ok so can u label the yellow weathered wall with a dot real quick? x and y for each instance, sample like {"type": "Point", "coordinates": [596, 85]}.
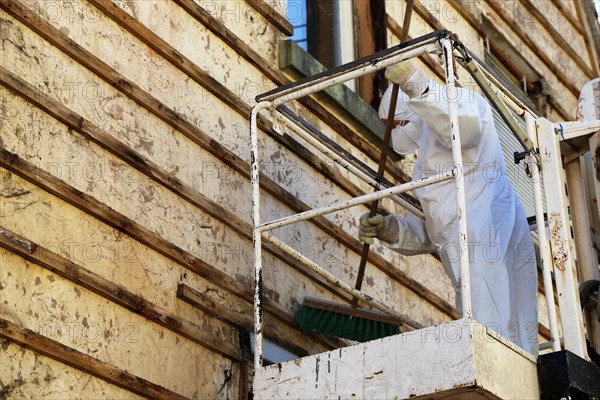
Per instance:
{"type": "Point", "coordinates": [33, 297]}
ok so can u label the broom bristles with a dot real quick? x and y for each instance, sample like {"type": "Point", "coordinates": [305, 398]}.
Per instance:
{"type": "Point", "coordinates": [343, 326]}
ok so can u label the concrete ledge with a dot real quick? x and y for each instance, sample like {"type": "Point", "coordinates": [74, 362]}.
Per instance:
{"type": "Point", "coordinates": [451, 360]}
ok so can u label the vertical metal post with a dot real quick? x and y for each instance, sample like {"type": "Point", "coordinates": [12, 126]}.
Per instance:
{"type": "Point", "coordinates": [256, 235]}
{"type": "Point", "coordinates": [542, 238]}
{"type": "Point", "coordinates": [563, 252]}
{"type": "Point", "coordinates": [465, 294]}
{"type": "Point", "coordinates": [587, 259]}
{"type": "Point", "coordinates": [593, 158]}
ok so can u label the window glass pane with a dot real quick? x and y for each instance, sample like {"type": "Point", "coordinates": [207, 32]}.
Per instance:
{"type": "Point", "coordinates": [297, 17]}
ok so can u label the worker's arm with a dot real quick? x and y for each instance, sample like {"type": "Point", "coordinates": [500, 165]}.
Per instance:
{"type": "Point", "coordinates": [432, 108]}
{"type": "Point", "coordinates": [429, 100]}
{"type": "Point", "coordinates": [412, 237]}
{"type": "Point", "coordinates": [404, 235]}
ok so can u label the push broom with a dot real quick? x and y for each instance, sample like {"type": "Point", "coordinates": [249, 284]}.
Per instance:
{"type": "Point", "coordinates": [349, 321]}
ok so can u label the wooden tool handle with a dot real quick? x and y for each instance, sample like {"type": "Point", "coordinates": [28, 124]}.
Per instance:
{"type": "Point", "coordinates": [384, 151]}
{"type": "Point", "coordinates": [380, 170]}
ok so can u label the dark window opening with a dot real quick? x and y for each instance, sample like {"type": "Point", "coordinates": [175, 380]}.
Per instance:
{"type": "Point", "coordinates": [335, 32]}
{"type": "Point", "coordinates": [272, 354]}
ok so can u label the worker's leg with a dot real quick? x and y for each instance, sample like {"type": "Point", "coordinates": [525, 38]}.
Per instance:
{"type": "Point", "coordinates": [490, 279]}
{"type": "Point", "coordinates": [524, 299]}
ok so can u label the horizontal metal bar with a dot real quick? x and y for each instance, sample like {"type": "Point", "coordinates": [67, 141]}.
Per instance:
{"type": "Point", "coordinates": [328, 276]}
{"type": "Point", "coordinates": [350, 71]}
{"type": "Point", "coordinates": [353, 74]}
{"type": "Point", "coordinates": [574, 129]}
{"type": "Point", "coordinates": [366, 198]}
{"type": "Point", "coordinates": [326, 141]}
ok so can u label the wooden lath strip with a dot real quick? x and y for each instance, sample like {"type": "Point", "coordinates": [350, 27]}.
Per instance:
{"type": "Point", "coordinates": [562, 43]}
{"type": "Point", "coordinates": [591, 36]}
{"type": "Point", "coordinates": [74, 358]}
{"type": "Point", "coordinates": [551, 64]}
{"type": "Point", "coordinates": [222, 32]}
{"type": "Point", "coordinates": [271, 15]}
{"type": "Point", "coordinates": [243, 322]}
{"type": "Point", "coordinates": [572, 20]}
{"type": "Point", "coordinates": [465, 9]}
{"type": "Point", "coordinates": [13, 163]}
{"type": "Point", "coordinates": [148, 102]}
{"type": "Point", "coordinates": [117, 294]}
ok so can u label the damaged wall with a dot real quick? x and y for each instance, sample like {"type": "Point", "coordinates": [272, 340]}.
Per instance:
{"type": "Point", "coordinates": [125, 220]}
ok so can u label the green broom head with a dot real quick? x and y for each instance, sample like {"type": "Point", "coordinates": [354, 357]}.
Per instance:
{"type": "Point", "coordinates": [343, 326]}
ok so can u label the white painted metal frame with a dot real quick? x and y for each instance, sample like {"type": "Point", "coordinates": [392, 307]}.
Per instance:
{"type": "Point", "coordinates": [344, 163]}
{"type": "Point", "coordinates": [443, 45]}
{"type": "Point", "coordinates": [544, 245]}
{"type": "Point", "coordinates": [552, 171]}
{"type": "Point", "coordinates": [549, 135]}
{"type": "Point", "coordinates": [465, 280]}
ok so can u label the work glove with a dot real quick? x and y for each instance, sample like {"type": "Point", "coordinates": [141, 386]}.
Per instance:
{"type": "Point", "coordinates": [409, 77]}
{"type": "Point", "coordinates": [380, 227]}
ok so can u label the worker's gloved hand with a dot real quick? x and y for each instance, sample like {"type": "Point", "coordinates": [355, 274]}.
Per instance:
{"type": "Point", "coordinates": [380, 227]}
{"type": "Point", "coordinates": [409, 77]}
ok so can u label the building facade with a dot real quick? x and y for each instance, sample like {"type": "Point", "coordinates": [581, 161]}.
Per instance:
{"type": "Point", "coordinates": [125, 199]}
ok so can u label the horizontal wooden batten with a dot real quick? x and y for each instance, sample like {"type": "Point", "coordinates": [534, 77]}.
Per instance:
{"type": "Point", "coordinates": [572, 20]}
{"type": "Point", "coordinates": [142, 98]}
{"type": "Point", "coordinates": [100, 211]}
{"type": "Point", "coordinates": [115, 293]}
{"type": "Point", "coordinates": [562, 43]}
{"type": "Point", "coordinates": [463, 10]}
{"type": "Point", "coordinates": [592, 31]}
{"type": "Point", "coordinates": [271, 15]}
{"type": "Point", "coordinates": [220, 30]}
{"type": "Point", "coordinates": [498, 7]}
{"type": "Point", "coordinates": [66, 355]}
{"type": "Point", "coordinates": [243, 322]}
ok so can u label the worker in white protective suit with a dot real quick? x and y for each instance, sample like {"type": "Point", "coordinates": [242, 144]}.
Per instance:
{"type": "Point", "coordinates": [501, 253]}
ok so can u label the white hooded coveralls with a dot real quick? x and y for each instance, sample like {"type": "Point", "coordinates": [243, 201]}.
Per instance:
{"type": "Point", "coordinates": [501, 253]}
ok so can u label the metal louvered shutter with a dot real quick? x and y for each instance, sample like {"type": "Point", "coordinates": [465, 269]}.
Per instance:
{"type": "Point", "coordinates": [516, 173]}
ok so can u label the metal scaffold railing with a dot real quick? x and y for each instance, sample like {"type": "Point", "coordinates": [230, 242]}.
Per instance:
{"type": "Point", "coordinates": [451, 50]}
